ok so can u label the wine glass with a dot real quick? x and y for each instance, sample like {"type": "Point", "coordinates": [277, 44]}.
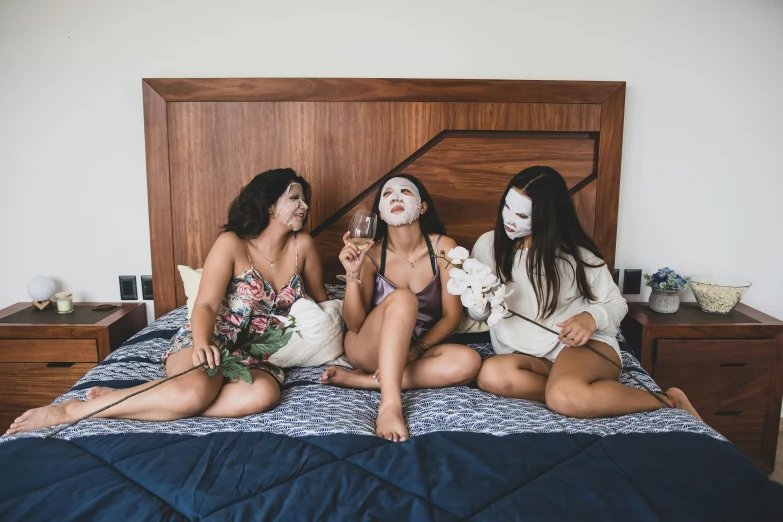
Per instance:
{"type": "Point", "coordinates": [361, 232]}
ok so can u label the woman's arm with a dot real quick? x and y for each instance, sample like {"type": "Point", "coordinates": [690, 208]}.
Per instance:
{"type": "Point", "coordinates": [452, 306]}
{"type": "Point", "coordinates": [356, 305]}
{"type": "Point", "coordinates": [312, 269]}
{"type": "Point", "coordinates": [218, 271]}
{"type": "Point", "coordinates": [609, 306]}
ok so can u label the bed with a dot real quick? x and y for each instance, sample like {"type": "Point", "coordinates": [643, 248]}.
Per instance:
{"type": "Point", "coordinates": [472, 455]}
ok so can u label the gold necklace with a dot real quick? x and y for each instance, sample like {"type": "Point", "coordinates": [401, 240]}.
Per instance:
{"type": "Point", "coordinates": [415, 257]}
{"type": "Point", "coordinates": [272, 263]}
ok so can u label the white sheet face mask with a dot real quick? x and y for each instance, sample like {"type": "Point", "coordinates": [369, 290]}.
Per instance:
{"type": "Point", "coordinates": [400, 202]}
{"type": "Point", "coordinates": [291, 208]}
{"type": "Point", "coordinates": [516, 226]}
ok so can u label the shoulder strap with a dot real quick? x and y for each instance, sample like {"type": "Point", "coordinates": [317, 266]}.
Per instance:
{"type": "Point", "coordinates": [433, 252]}
{"type": "Point", "coordinates": [384, 246]}
{"type": "Point", "coordinates": [296, 253]}
{"type": "Point", "coordinates": [247, 253]}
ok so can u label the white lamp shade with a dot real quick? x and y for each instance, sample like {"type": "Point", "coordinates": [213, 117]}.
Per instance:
{"type": "Point", "coordinates": [41, 288]}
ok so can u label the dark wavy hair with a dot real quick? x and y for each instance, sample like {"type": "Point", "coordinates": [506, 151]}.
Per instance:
{"type": "Point", "coordinates": [248, 214]}
{"type": "Point", "coordinates": [429, 222]}
{"type": "Point", "coordinates": [556, 231]}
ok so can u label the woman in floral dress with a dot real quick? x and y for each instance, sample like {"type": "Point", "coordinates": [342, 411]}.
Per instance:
{"type": "Point", "coordinates": [258, 267]}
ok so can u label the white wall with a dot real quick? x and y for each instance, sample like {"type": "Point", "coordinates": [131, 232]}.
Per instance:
{"type": "Point", "coordinates": [701, 178]}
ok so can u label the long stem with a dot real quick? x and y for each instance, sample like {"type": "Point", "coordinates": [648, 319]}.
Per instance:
{"type": "Point", "coordinates": [167, 379]}
{"type": "Point", "coordinates": [622, 370]}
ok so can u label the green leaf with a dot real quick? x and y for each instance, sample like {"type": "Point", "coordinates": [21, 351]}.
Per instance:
{"type": "Point", "coordinates": [271, 344]}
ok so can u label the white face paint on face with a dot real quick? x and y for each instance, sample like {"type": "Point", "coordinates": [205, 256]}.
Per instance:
{"type": "Point", "coordinates": [517, 215]}
{"type": "Point", "coordinates": [290, 208]}
{"type": "Point", "coordinates": [400, 202]}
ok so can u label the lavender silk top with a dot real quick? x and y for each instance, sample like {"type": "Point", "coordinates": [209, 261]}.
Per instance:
{"type": "Point", "coordinates": [430, 304]}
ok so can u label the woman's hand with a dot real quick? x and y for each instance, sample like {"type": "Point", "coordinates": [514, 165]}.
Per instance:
{"type": "Point", "coordinates": [577, 330]}
{"type": "Point", "coordinates": [209, 354]}
{"type": "Point", "coordinates": [351, 257]}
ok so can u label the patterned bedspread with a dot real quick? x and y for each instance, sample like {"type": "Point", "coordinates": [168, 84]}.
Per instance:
{"type": "Point", "coordinates": [309, 408]}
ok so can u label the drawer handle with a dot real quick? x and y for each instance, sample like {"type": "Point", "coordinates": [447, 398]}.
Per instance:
{"type": "Point", "coordinates": [59, 365]}
{"type": "Point", "coordinates": [728, 412]}
{"type": "Point", "coordinates": [733, 365]}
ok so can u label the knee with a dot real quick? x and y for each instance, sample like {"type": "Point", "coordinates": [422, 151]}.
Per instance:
{"type": "Point", "coordinates": [571, 399]}
{"type": "Point", "coordinates": [263, 396]}
{"type": "Point", "coordinates": [402, 299]}
{"type": "Point", "coordinates": [465, 364]}
{"type": "Point", "coordinates": [192, 397]}
{"type": "Point", "coordinates": [492, 379]}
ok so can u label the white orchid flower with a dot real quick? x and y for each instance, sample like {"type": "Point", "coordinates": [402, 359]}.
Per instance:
{"type": "Point", "coordinates": [497, 315]}
{"type": "Point", "coordinates": [498, 297]}
{"type": "Point", "coordinates": [458, 255]}
{"type": "Point", "coordinates": [475, 268]}
{"type": "Point", "coordinates": [308, 318]}
{"type": "Point", "coordinates": [458, 282]}
{"type": "Point", "coordinates": [473, 298]}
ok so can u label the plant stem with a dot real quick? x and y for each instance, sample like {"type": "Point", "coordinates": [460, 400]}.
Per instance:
{"type": "Point", "coordinates": [63, 428]}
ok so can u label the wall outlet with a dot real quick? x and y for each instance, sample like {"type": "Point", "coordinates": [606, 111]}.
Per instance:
{"type": "Point", "coordinates": [128, 288]}
{"type": "Point", "coordinates": [146, 287]}
{"type": "Point", "coordinates": [632, 281]}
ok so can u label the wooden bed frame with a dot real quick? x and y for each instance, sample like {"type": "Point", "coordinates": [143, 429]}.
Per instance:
{"type": "Point", "coordinates": [206, 138]}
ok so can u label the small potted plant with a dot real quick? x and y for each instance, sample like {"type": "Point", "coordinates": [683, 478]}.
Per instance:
{"type": "Point", "coordinates": [666, 286]}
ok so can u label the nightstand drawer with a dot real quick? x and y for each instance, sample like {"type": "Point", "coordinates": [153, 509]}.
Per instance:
{"type": "Point", "coordinates": [48, 350]}
{"type": "Point", "coordinates": [727, 381]}
{"type": "Point", "coordinates": [716, 351]}
{"type": "Point", "coordinates": [30, 385]}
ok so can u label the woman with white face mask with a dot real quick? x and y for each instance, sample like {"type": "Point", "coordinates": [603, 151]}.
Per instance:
{"type": "Point", "coordinates": [397, 309]}
{"type": "Point", "coordinates": [559, 279]}
{"type": "Point", "coordinates": [258, 267]}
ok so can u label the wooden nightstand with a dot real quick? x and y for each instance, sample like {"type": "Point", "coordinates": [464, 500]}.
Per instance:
{"type": "Point", "coordinates": [730, 366]}
{"type": "Point", "coordinates": [43, 353]}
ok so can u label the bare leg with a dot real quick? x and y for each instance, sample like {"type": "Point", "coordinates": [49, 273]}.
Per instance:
{"type": "Point", "coordinates": [442, 366]}
{"type": "Point", "coordinates": [238, 399]}
{"type": "Point", "coordinates": [182, 397]}
{"type": "Point", "coordinates": [515, 375]}
{"type": "Point", "coordinates": [582, 384]}
{"type": "Point", "coordinates": [383, 342]}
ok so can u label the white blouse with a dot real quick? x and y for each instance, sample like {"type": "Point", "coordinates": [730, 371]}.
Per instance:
{"type": "Point", "coordinates": [515, 335]}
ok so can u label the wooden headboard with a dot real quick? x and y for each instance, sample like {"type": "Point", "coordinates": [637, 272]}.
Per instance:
{"type": "Point", "coordinates": [206, 138]}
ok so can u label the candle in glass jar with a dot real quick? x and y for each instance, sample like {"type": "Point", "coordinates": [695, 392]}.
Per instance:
{"type": "Point", "coordinates": [64, 302]}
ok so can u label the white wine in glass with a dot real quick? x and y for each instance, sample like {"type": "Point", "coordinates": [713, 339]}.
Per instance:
{"type": "Point", "coordinates": [361, 232]}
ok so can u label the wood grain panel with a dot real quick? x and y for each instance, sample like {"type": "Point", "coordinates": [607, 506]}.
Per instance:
{"type": "Point", "coordinates": [584, 201]}
{"type": "Point", "coordinates": [54, 350]}
{"type": "Point", "coordinates": [342, 135]}
{"type": "Point", "coordinates": [375, 89]}
{"type": "Point", "coordinates": [215, 148]}
{"type": "Point", "coordinates": [30, 385]}
{"type": "Point", "coordinates": [156, 137]}
{"type": "Point", "coordinates": [6, 418]}
{"type": "Point", "coordinates": [610, 152]}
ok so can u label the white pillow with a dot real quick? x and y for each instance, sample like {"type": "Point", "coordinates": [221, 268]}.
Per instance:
{"type": "Point", "coordinates": [191, 278]}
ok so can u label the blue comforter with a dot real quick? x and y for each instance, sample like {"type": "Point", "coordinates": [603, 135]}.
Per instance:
{"type": "Point", "coordinates": [472, 456]}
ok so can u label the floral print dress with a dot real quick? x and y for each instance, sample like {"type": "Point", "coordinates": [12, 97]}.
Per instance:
{"type": "Point", "coordinates": [250, 302]}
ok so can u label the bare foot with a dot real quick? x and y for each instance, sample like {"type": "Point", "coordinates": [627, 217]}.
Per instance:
{"type": "Point", "coordinates": [97, 391]}
{"type": "Point", "coordinates": [38, 418]}
{"type": "Point", "coordinates": [390, 425]}
{"type": "Point", "coordinates": [682, 402]}
{"type": "Point", "coordinates": [348, 379]}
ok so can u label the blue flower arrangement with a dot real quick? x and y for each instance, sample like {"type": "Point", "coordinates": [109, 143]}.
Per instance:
{"type": "Point", "coordinates": [666, 279]}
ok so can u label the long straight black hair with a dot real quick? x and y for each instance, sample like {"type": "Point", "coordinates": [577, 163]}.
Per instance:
{"type": "Point", "coordinates": [429, 222]}
{"type": "Point", "coordinates": [248, 214]}
{"type": "Point", "coordinates": [556, 232]}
